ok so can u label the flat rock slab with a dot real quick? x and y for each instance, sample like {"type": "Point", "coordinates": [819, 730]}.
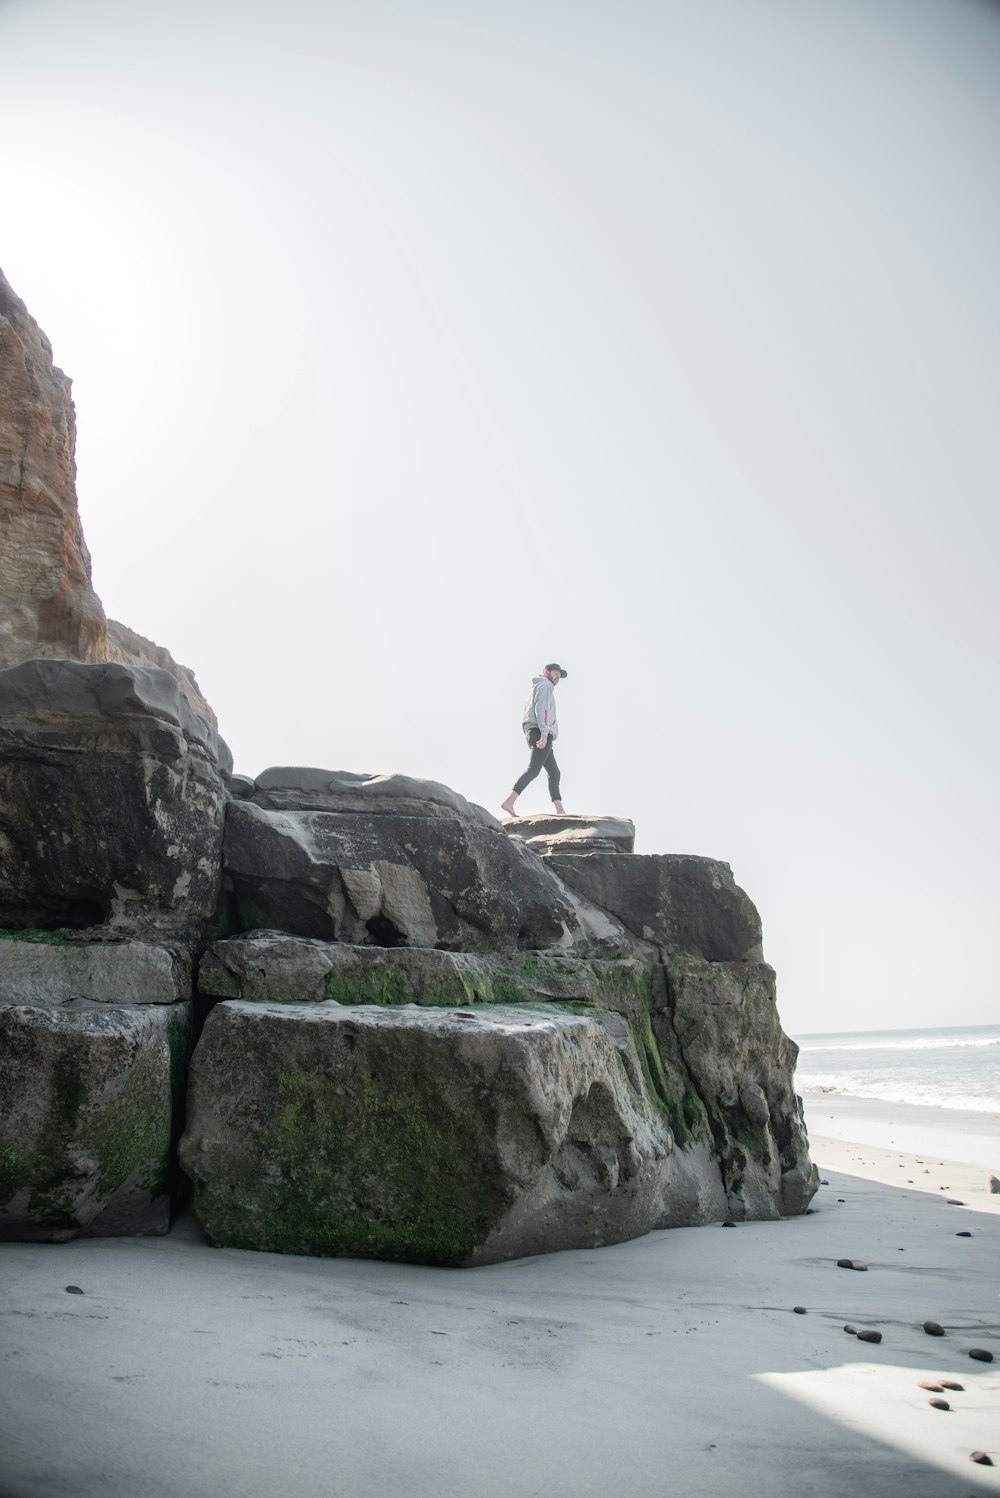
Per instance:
{"type": "Point", "coordinates": [303, 788]}
{"type": "Point", "coordinates": [51, 973]}
{"type": "Point", "coordinates": [89, 1100]}
{"type": "Point", "coordinates": [270, 967]}
{"type": "Point", "coordinates": [433, 1135]}
{"type": "Point", "coordinates": [680, 902]}
{"type": "Point", "coordinates": [573, 833]}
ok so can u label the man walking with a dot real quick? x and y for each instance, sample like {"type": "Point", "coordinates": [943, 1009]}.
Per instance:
{"type": "Point", "coordinates": [541, 730]}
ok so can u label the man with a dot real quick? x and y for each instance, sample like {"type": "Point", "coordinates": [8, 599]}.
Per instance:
{"type": "Point", "coordinates": [541, 729]}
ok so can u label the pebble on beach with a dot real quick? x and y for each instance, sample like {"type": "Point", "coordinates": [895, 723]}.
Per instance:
{"type": "Point", "coordinates": [933, 1328]}
{"type": "Point", "coordinates": [851, 1330]}
{"type": "Point", "coordinates": [851, 1264]}
{"type": "Point", "coordinates": [799, 1310]}
{"type": "Point", "coordinates": [939, 1404]}
{"type": "Point", "coordinates": [981, 1457]}
{"type": "Point", "coordinates": [931, 1388]}
{"type": "Point", "coordinates": [964, 1234]}
{"type": "Point", "coordinates": [949, 1383]}
{"type": "Point", "coordinates": [867, 1336]}
{"type": "Point", "coordinates": [980, 1354]}
{"type": "Point", "coordinates": [73, 1290]}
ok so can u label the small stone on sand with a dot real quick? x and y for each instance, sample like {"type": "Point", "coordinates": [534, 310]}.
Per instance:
{"type": "Point", "coordinates": [852, 1264]}
{"type": "Point", "coordinates": [934, 1328]}
{"type": "Point", "coordinates": [951, 1200]}
{"type": "Point", "coordinates": [851, 1330]}
{"type": "Point", "coordinates": [939, 1404]}
{"type": "Point", "coordinates": [931, 1388]}
{"type": "Point", "coordinates": [981, 1458]}
{"type": "Point", "coordinates": [799, 1310]}
{"type": "Point", "coordinates": [867, 1336]}
{"type": "Point", "coordinates": [980, 1354]}
{"type": "Point", "coordinates": [73, 1290]}
{"type": "Point", "coordinates": [949, 1383]}
{"type": "Point", "coordinates": [964, 1234]}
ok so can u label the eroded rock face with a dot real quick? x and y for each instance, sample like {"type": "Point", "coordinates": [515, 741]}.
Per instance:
{"type": "Point", "coordinates": [677, 901]}
{"type": "Point", "coordinates": [721, 1022]}
{"type": "Point", "coordinates": [392, 861]}
{"type": "Point", "coordinates": [445, 1137]}
{"type": "Point", "coordinates": [89, 1100]}
{"type": "Point", "coordinates": [112, 795]}
{"type": "Point", "coordinates": [48, 607]}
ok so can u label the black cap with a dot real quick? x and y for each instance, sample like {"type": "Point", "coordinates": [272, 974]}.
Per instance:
{"type": "Point", "coordinates": [555, 666]}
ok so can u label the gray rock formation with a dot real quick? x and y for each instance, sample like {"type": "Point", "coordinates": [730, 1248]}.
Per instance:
{"type": "Point", "coordinates": [433, 1037]}
{"type": "Point", "coordinates": [677, 901]}
{"type": "Point", "coordinates": [49, 973]}
{"type": "Point", "coordinates": [112, 794]}
{"type": "Point", "coordinates": [48, 607]}
{"type": "Point", "coordinates": [391, 860]}
{"type": "Point", "coordinates": [90, 1097]}
{"type": "Point", "coordinates": [442, 1136]}
{"type": "Point", "coordinates": [720, 1022]}
{"type": "Point", "coordinates": [571, 833]}
{"type": "Point", "coordinates": [270, 967]}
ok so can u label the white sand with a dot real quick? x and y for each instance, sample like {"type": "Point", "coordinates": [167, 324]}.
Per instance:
{"type": "Point", "coordinates": [671, 1365]}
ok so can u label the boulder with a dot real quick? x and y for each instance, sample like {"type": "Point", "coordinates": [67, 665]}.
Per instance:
{"type": "Point", "coordinates": [112, 795]}
{"type": "Point", "coordinates": [90, 1099]}
{"type": "Point", "coordinates": [721, 1021]}
{"type": "Point", "coordinates": [396, 861]}
{"type": "Point", "coordinates": [271, 967]}
{"type": "Point", "coordinates": [432, 1135]}
{"type": "Point", "coordinates": [571, 833]}
{"type": "Point", "coordinates": [48, 607]}
{"type": "Point", "coordinates": [678, 901]}
{"type": "Point", "coordinates": [48, 972]}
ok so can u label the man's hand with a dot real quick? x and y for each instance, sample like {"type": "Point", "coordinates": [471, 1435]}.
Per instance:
{"type": "Point", "coordinates": [542, 741]}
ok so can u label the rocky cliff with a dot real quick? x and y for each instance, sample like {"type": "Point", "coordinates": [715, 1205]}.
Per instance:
{"type": "Point", "coordinates": [353, 1013]}
{"type": "Point", "coordinates": [48, 607]}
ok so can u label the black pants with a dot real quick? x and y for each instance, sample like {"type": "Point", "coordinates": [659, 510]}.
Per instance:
{"type": "Point", "coordinates": [540, 757]}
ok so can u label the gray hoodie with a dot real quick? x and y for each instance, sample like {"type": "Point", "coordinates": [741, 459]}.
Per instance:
{"type": "Point", "coordinates": [540, 708]}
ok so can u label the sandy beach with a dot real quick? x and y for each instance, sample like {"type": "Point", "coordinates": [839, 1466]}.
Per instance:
{"type": "Point", "coordinates": [672, 1364]}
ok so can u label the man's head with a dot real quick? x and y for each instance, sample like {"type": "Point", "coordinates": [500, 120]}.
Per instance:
{"type": "Point", "coordinates": [555, 673]}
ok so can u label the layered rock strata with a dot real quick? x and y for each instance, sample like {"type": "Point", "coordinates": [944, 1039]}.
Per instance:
{"type": "Point", "coordinates": [723, 1099]}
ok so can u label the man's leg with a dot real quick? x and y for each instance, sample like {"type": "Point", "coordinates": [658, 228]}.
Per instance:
{"type": "Point", "coordinates": [553, 773]}
{"type": "Point", "coordinates": [535, 764]}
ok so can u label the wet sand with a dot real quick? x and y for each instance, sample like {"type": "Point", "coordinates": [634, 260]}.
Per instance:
{"type": "Point", "coordinates": [675, 1364]}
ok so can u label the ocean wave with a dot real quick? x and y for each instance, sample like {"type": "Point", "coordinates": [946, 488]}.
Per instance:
{"type": "Point", "coordinates": [912, 1095]}
{"type": "Point", "coordinates": [921, 1043]}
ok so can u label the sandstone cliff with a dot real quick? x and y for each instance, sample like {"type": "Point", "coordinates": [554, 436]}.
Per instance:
{"type": "Point", "coordinates": [48, 607]}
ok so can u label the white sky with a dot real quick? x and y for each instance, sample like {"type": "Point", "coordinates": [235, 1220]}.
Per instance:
{"type": "Point", "coordinates": [417, 344]}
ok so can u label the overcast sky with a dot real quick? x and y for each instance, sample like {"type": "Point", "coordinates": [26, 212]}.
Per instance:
{"type": "Point", "coordinates": [417, 344]}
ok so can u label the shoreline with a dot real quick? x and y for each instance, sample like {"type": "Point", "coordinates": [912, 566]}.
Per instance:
{"type": "Point", "coordinates": [844, 1131]}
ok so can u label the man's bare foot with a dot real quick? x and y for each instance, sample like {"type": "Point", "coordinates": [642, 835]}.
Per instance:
{"type": "Point", "coordinates": [559, 808]}
{"type": "Point", "coordinates": [508, 806]}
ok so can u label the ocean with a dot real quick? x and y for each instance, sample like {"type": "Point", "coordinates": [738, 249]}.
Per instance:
{"type": "Point", "coordinates": [939, 1068]}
